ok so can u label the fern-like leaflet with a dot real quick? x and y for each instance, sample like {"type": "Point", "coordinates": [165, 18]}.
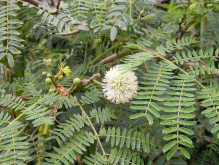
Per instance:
{"type": "Point", "coordinates": [35, 112]}
{"type": "Point", "coordinates": [211, 105]}
{"type": "Point", "coordinates": [13, 145]}
{"type": "Point", "coordinates": [180, 115]}
{"type": "Point", "coordinates": [78, 122]}
{"type": "Point", "coordinates": [155, 84]}
{"type": "Point", "coordinates": [67, 153]}
{"type": "Point", "coordinates": [130, 139]}
{"type": "Point", "coordinates": [9, 34]}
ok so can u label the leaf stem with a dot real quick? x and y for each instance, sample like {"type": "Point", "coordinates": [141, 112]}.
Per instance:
{"type": "Point", "coordinates": [97, 83]}
{"type": "Point", "coordinates": [22, 114]}
{"type": "Point", "coordinates": [95, 132]}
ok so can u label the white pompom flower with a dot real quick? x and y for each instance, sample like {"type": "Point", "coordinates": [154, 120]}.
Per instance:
{"type": "Point", "coordinates": [119, 87]}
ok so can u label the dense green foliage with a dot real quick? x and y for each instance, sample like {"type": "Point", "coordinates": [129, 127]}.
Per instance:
{"type": "Point", "coordinates": [54, 55]}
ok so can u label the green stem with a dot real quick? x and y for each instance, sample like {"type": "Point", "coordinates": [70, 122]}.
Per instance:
{"type": "Point", "coordinates": [40, 131]}
{"type": "Point", "coordinates": [72, 88]}
{"type": "Point", "coordinates": [46, 129]}
{"type": "Point", "coordinates": [95, 132]}
{"type": "Point", "coordinates": [53, 82]}
{"type": "Point", "coordinates": [97, 82]}
{"type": "Point", "coordinates": [130, 9]}
{"type": "Point", "coordinates": [113, 47]}
{"type": "Point", "coordinates": [99, 49]}
{"type": "Point", "coordinates": [43, 133]}
{"type": "Point", "coordinates": [22, 114]}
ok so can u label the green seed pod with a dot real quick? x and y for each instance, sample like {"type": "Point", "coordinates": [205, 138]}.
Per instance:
{"type": "Point", "coordinates": [49, 75]}
{"type": "Point", "coordinates": [44, 73]}
{"type": "Point", "coordinates": [126, 40]}
{"type": "Point", "coordinates": [56, 77]}
{"type": "Point", "coordinates": [61, 77]}
{"type": "Point", "coordinates": [76, 81]}
{"type": "Point", "coordinates": [51, 90]}
{"type": "Point", "coordinates": [48, 81]}
{"type": "Point", "coordinates": [98, 41]}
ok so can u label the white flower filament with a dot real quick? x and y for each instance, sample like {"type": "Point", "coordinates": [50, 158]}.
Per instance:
{"type": "Point", "coordinates": [119, 87]}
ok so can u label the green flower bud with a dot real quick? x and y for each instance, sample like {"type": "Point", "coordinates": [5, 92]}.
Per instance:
{"type": "Point", "coordinates": [61, 77]}
{"type": "Point", "coordinates": [126, 40]}
{"type": "Point", "coordinates": [51, 90]}
{"type": "Point", "coordinates": [98, 41]}
{"type": "Point", "coordinates": [48, 81]}
{"type": "Point", "coordinates": [49, 75]}
{"type": "Point", "coordinates": [76, 81]}
{"type": "Point", "coordinates": [44, 73]}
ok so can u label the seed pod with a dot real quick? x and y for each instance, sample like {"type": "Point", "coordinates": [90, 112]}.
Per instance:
{"type": "Point", "coordinates": [49, 75]}
{"type": "Point", "coordinates": [48, 81]}
{"type": "Point", "coordinates": [44, 73]}
{"type": "Point", "coordinates": [61, 77]}
{"type": "Point", "coordinates": [76, 81]}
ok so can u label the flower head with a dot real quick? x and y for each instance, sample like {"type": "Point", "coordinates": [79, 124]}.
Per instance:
{"type": "Point", "coordinates": [47, 61]}
{"type": "Point", "coordinates": [119, 87]}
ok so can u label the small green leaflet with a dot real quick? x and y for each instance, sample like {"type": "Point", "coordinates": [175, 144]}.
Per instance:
{"type": "Point", "coordinates": [169, 145]}
{"type": "Point", "coordinates": [113, 33]}
{"type": "Point", "coordinates": [137, 115]}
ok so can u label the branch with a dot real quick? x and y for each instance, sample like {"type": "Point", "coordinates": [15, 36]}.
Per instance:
{"type": "Point", "coordinates": [68, 34]}
{"type": "Point", "coordinates": [114, 56]}
{"type": "Point", "coordinates": [54, 3]}
{"type": "Point", "coordinates": [58, 4]}
{"type": "Point", "coordinates": [126, 52]}
{"type": "Point", "coordinates": [91, 79]}
{"type": "Point", "coordinates": [37, 3]}
{"type": "Point", "coordinates": [158, 4]}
